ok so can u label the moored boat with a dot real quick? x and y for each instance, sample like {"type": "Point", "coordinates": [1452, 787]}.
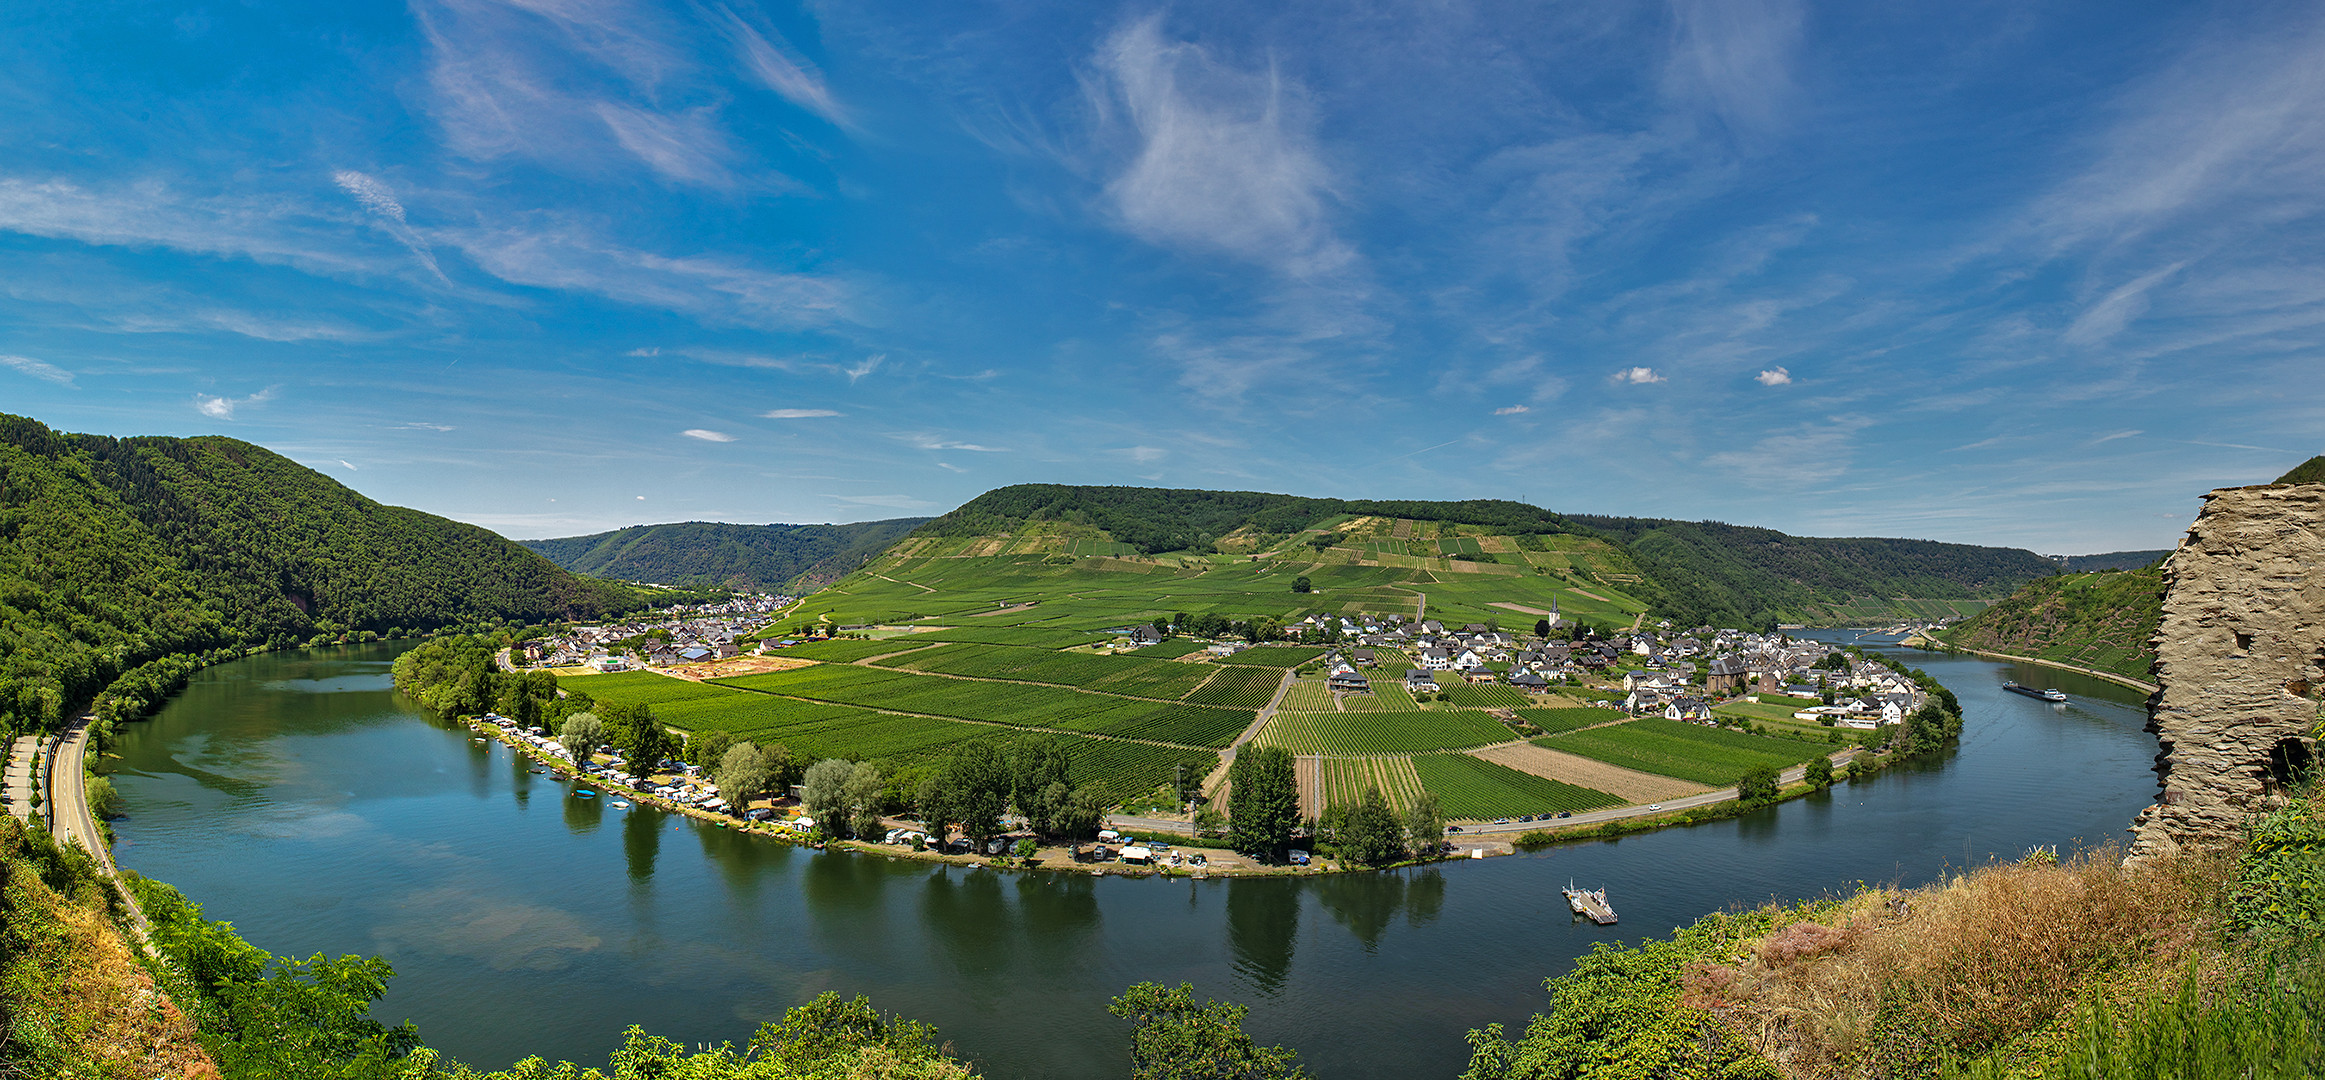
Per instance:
{"type": "Point", "coordinates": [1590, 904]}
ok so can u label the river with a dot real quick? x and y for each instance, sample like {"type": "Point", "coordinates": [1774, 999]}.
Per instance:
{"type": "Point", "coordinates": [299, 797]}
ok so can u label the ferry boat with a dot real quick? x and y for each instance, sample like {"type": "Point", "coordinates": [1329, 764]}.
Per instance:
{"type": "Point", "coordinates": [1590, 904]}
{"type": "Point", "coordinates": [2045, 695]}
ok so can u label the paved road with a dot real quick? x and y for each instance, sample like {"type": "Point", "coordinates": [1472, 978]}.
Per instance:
{"type": "Point", "coordinates": [69, 807]}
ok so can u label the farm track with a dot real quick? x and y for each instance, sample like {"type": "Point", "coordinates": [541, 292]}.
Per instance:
{"type": "Point", "coordinates": [1215, 785]}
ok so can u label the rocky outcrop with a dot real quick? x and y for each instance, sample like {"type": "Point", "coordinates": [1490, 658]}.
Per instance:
{"type": "Point", "coordinates": [2240, 654]}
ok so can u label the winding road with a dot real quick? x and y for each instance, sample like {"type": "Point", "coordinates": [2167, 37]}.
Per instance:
{"type": "Point", "coordinates": [68, 793]}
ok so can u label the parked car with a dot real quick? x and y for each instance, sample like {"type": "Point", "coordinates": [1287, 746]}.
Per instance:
{"type": "Point", "coordinates": [1566, 813]}
{"type": "Point", "coordinates": [1198, 860]}
{"type": "Point", "coordinates": [1299, 858]}
{"type": "Point", "coordinates": [1526, 817]}
{"type": "Point", "coordinates": [1453, 828]}
{"type": "Point", "coordinates": [1501, 821]}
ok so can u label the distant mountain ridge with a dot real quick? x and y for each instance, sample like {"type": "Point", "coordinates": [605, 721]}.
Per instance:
{"type": "Point", "coordinates": [789, 558]}
{"type": "Point", "coordinates": [2113, 560]}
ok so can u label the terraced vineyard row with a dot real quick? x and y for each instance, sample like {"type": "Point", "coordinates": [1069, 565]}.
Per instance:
{"type": "Point", "coordinates": [1714, 756]}
{"type": "Point", "coordinates": [1128, 769]}
{"type": "Point", "coordinates": [1345, 780]}
{"type": "Point", "coordinates": [1005, 703]}
{"type": "Point", "coordinates": [637, 688]}
{"type": "Point", "coordinates": [1469, 788]}
{"type": "Point", "coordinates": [1486, 696]}
{"type": "Point", "coordinates": [1275, 656]}
{"type": "Point", "coordinates": [1553, 721]}
{"type": "Point", "coordinates": [845, 650]}
{"type": "Point", "coordinates": [1105, 674]}
{"type": "Point", "coordinates": [1381, 732]}
{"type": "Point", "coordinates": [1032, 637]}
{"type": "Point", "coordinates": [1238, 687]}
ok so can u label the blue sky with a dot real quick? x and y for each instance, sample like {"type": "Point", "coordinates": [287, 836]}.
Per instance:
{"type": "Point", "coordinates": [2034, 275]}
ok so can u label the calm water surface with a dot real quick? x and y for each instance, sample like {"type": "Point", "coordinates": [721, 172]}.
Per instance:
{"type": "Point", "coordinates": [297, 796]}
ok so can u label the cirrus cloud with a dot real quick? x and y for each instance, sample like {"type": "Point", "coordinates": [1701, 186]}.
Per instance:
{"type": "Point", "coordinates": [798, 414]}
{"type": "Point", "coordinates": [707, 435]}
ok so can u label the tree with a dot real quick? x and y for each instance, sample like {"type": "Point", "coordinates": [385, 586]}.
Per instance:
{"type": "Point", "coordinates": [1300, 584]}
{"type": "Point", "coordinates": [1542, 628]}
{"type": "Point", "coordinates": [1035, 766]}
{"type": "Point", "coordinates": [1369, 833]}
{"type": "Point", "coordinates": [1263, 802]}
{"type": "Point", "coordinates": [742, 775]}
{"type": "Point", "coordinates": [582, 735]}
{"type": "Point", "coordinates": [976, 789]}
{"type": "Point", "coordinates": [1082, 816]}
{"type": "Point", "coordinates": [1425, 823]}
{"type": "Point", "coordinates": [648, 743]}
{"type": "Point", "coordinates": [825, 793]}
{"type": "Point", "coordinates": [1162, 626]}
{"type": "Point", "coordinates": [864, 792]}
{"type": "Point", "coordinates": [1820, 772]}
{"type": "Point", "coordinates": [1174, 1038]}
{"type": "Point", "coordinates": [1758, 786]}
{"type": "Point", "coordinates": [707, 749]}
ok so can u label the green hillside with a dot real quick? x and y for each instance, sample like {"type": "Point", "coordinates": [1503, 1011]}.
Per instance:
{"type": "Point", "coordinates": [114, 552]}
{"type": "Point", "coordinates": [2103, 621]}
{"type": "Point", "coordinates": [774, 558]}
{"type": "Point", "coordinates": [1090, 557]}
{"type": "Point", "coordinates": [2311, 471]}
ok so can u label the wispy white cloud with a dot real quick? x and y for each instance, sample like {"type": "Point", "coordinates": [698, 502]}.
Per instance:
{"type": "Point", "coordinates": [782, 69]}
{"type": "Point", "coordinates": [1736, 57]}
{"type": "Point", "coordinates": [1220, 159]}
{"type": "Point", "coordinates": [421, 425]}
{"type": "Point", "coordinates": [388, 213]}
{"type": "Point", "coordinates": [1639, 376]}
{"type": "Point", "coordinates": [562, 255]}
{"type": "Point", "coordinates": [865, 367]}
{"type": "Point", "coordinates": [707, 435]}
{"type": "Point", "coordinates": [1511, 410]}
{"type": "Point", "coordinates": [1814, 453]}
{"type": "Point", "coordinates": [797, 414]}
{"type": "Point", "coordinates": [224, 408]}
{"type": "Point", "coordinates": [38, 369]}
{"type": "Point", "coordinates": [931, 442]}
{"type": "Point", "coordinates": [1142, 455]}
{"type": "Point", "coordinates": [686, 146]}
{"type": "Point", "coordinates": [1775, 376]}
{"type": "Point", "coordinates": [2108, 317]}
{"type": "Point", "coordinates": [2114, 436]}
{"type": "Point", "coordinates": [349, 465]}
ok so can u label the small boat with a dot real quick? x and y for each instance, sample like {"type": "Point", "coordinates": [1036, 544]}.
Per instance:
{"type": "Point", "coordinates": [1590, 904]}
{"type": "Point", "coordinates": [619, 804]}
{"type": "Point", "coordinates": [2044, 695]}
{"type": "Point", "coordinates": [584, 793]}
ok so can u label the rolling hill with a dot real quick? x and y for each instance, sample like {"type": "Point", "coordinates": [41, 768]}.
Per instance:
{"type": "Point", "coordinates": [114, 552]}
{"type": "Point", "coordinates": [1092, 556]}
{"type": "Point", "coordinates": [2103, 620]}
{"type": "Point", "coordinates": [784, 558]}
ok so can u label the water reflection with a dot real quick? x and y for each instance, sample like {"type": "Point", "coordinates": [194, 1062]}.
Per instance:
{"type": "Point", "coordinates": [641, 842]}
{"type": "Point", "coordinates": [582, 815]}
{"type": "Point", "coordinates": [1368, 903]}
{"type": "Point", "coordinates": [969, 916]}
{"type": "Point", "coordinates": [1263, 922]}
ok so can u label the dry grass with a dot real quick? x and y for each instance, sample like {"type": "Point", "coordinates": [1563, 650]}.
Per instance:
{"type": "Point", "coordinates": [1887, 983]}
{"type": "Point", "coordinates": [79, 996]}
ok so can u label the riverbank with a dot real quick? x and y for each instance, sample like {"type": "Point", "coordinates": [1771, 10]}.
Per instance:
{"type": "Point", "coordinates": [1929, 644]}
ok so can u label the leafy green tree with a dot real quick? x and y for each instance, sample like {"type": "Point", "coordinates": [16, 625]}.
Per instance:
{"type": "Point", "coordinates": [1263, 802]}
{"type": "Point", "coordinates": [646, 742]}
{"type": "Point", "coordinates": [707, 749]}
{"type": "Point", "coordinates": [1173, 1037]}
{"type": "Point", "coordinates": [976, 785]}
{"type": "Point", "coordinates": [1301, 584]}
{"type": "Point", "coordinates": [825, 793]}
{"type": "Point", "coordinates": [1425, 823]}
{"type": "Point", "coordinates": [1758, 786]}
{"type": "Point", "coordinates": [1083, 815]}
{"type": "Point", "coordinates": [1542, 628]}
{"type": "Point", "coordinates": [582, 735]}
{"type": "Point", "coordinates": [1820, 772]}
{"type": "Point", "coordinates": [864, 796]}
{"type": "Point", "coordinates": [1369, 833]}
{"type": "Point", "coordinates": [742, 775]}
{"type": "Point", "coordinates": [1035, 766]}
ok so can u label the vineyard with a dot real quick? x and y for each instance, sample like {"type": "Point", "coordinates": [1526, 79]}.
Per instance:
{"type": "Point", "coordinates": [1345, 780]}
{"type": "Point", "coordinates": [1033, 637]}
{"type": "Point", "coordinates": [637, 688]}
{"type": "Point", "coordinates": [1486, 696]}
{"type": "Point", "coordinates": [1714, 756]}
{"type": "Point", "coordinates": [1469, 788]}
{"type": "Point", "coordinates": [1127, 769]}
{"type": "Point", "coordinates": [1238, 687]}
{"type": "Point", "coordinates": [1171, 650]}
{"type": "Point", "coordinates": [1276, 656]}
{"type": "Point", "coordinates": [1160, 679]}
{"type": "Point", "coordinates": [1381, 733]}
{"type": "Point", "coordinates": [1553, 721]}
{"type": "Point", "coordinates": [847, 651]}
{"type": "Point", "coordinates": [1016, 704]}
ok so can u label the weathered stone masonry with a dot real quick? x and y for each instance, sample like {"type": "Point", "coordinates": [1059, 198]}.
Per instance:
{"type": "Point", "coordinates": [2241, 659]}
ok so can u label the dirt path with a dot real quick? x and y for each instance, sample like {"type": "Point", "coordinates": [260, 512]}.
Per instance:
{"type": "Point", "coordinates": [1506, 606]}
{"type": "Point", "coordinates": [1308, 770]}
{"type": "Point", "coordinates": [914, 584]}
{"type": "Point", "coordinates": [1628, 785]}
{"type": "Point", "coordinates": [1215, 785]}
{"type": "Point", "coordinates": [997, 611]}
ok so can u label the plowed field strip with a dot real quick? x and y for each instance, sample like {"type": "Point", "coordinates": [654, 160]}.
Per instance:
{"type": "Point", "coordinates": [1631, 784]}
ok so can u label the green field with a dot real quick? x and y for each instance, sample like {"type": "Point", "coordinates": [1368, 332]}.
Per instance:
{"type": "Point", "coordinates": [1467, 787]}
{"type": "Point", "coordinates": [1034, 637]}
{"type": "Point", "coordinates": [1485, 696]}
{"type": "Point", "coordinates": [1015, 704]}
{"type": "Point", "coordinates": [1381, 732]}
{"type": "Point", "coordinates": [1163, 679]}
{"type": "Point", "coordinates": [1702, 755]}
{"type": "Point", "coordinates": [1171, 650]}
{"type": "Point", "coordinates": [1553, 721]}
{"type": "Point", "coordinates": [1238, 687]}
{"type": "Point", "coordinates": [1127, 768]}
{"type": "Point", "coordinates": [636, 688]}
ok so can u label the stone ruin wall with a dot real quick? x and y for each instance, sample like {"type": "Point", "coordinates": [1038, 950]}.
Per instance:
{"type": "Point", "coordinates": [2240, 657]}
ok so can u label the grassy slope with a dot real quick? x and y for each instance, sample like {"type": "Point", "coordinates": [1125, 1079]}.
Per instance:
{"type": "Point", "coordinates": [2102, 621]}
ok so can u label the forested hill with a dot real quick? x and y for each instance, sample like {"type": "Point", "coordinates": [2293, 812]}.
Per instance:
{"type": "Point", "coordinates": [2104, 621]}
{"type": "Point", "coordinates": [2113, 560]}
{"type": "Point", "coordinates": [1734, 575]}
{"type": "Point", "coordinates": [2311, 471]}
{"type": "Point", "coordinates": [788, 558]}
{"type": "Point", "coordinates": [1693, 573]}
{"type": "Point", "coordinates": [118, 551]}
